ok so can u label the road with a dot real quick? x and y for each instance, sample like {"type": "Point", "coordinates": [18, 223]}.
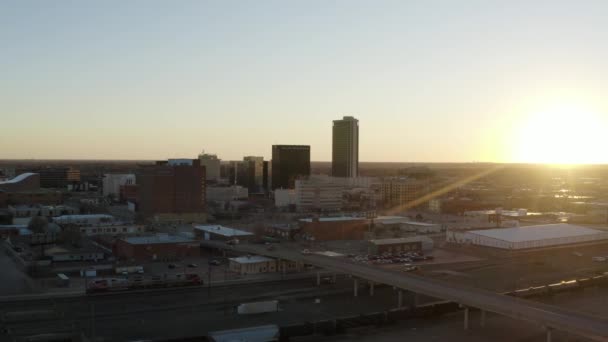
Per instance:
{"type": "Point", "coordinates": [571, 321]}
{"type": "Point", "coordinates": [187, 312]}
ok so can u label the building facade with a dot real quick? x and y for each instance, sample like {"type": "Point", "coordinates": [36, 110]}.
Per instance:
{"type": "Point", "coordinates": [172, 190]}
{"type": "Point", "coordinates": [400, 191]}
{"type": "Point", "coordinates": [58, 177]}
{"type": "Point", "coordinates": [289, 162]}
{"type": "Point", "coordinates": [112, 183]}
{"type": "Point", "coordinates": [345, 147]}
{"type": "Point", "coordinates": [318, 195]}
{"type": "Point", "coordinates": [212, 166]}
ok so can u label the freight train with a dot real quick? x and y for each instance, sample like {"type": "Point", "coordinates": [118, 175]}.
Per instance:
{"type": "Point", "coordinates": [546, 290]}
{"type": "Point", "coordinates": [101, 285]}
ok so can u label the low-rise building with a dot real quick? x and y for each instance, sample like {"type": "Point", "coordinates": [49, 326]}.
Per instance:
{"type": "Point", "coordinates": [219, 232]}
{"type": "Point", "coordinates": [282, 231]}
{"type": "Point", "coordinates": [41, 210]}
{"type": "Point", "coordinates": [334, 228]}
{"type": "Point", "coordinates": [156, 247]}
{"type": "Point", "coordinates": [86, 220]}
{"type": "Point", "coordinates": [252, 265]}
{"type": "Point", "coordinates": [226, 193]}
{"type": "Point", "coordinates": [112, 230]}
{"type": "Point", "coordinates": [400, 245]}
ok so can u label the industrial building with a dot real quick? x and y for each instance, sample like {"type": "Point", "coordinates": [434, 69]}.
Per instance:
{"type": "Point", "coordinates": [528, 237]}
{"type": "Point", "coordinates": [156, 247]}
{"type": "Point", "coordinates": [407, 225]}
{"type": "Point", "coordinates": [400, 245]}
{"type": "Point", "coordinates": [252, 265]}
{"type": "Point", "coordinates": [289, 162]}
{"type": "Point", "coordinates": [218, 232]}
{"type": "Point", "coordinates": [334, 228]}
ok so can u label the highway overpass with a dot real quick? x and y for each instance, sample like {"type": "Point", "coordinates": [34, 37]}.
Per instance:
{"type": "Point", "coordinates": [548, 316]}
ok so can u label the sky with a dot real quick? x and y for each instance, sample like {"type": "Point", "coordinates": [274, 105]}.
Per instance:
{"type": "Point", "coordinates": [429, 81]}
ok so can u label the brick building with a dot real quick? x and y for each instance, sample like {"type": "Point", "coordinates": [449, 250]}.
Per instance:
{"type": "Point", "coordinates": [334, 228]}
{"type": "Point", "coordinates": [172, 190]}
{"type": "Point", "coordinates": [156, 247]}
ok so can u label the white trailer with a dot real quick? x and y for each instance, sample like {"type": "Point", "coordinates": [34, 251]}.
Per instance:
{"type": "Point", "coordinates": [258, 307]}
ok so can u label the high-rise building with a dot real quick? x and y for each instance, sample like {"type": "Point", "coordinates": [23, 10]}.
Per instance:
{"type": "Point", "coordinates": [255, 173]}
{"type": "Point", "coordinates": [172, 190]}
{"type": "Point", "coordinates": [345, 147]}
{"type": "Point", "coordinates": [212, 166]}
{"type": "Point", "coordinates": [289, 162]}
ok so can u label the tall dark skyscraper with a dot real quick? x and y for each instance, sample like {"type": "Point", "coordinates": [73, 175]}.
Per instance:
{"type": "Point", "coordinates": [345, 148]}
{"type": "Point", "coordinates": [288, 163]}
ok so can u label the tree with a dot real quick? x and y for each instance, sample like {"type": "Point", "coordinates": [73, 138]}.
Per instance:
{"type": "Point", "coordinates": [71, 234]}
{"type": "Point", "coordinates": [38, 225]}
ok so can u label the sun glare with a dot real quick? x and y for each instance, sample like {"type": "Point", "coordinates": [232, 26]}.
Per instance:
{"type": "Point", "coordinates": [562, 135]}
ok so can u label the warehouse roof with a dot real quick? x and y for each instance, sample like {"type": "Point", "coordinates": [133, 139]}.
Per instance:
{"type": "Point", "coordinates": [251, 259]}
{"type": "Point", "coordinates": [221, 230]}
{"type": "Point", "coordinates": [18, 178]}
{"type": "Point", "coordinates": [540, 232]}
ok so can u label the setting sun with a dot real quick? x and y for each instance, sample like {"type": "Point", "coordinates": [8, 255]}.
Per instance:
{"type": "Point", "coordinates": [564, 134]}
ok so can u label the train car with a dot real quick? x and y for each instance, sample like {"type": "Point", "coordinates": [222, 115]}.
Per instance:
{"type": "Point", "coordinates": [101, 285]}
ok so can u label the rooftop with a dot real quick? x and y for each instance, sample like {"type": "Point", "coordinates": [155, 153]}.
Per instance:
{"type": "Point", "coordinates": [251, 259]}
{"type": "Point", "coordinates": [156, 239]}
{"type": "Point", "coordinates": [221, 230]}
{"type": "Point", "coordinates": [334, 219]}
{"type": "Point", "coordinates": [539, 232]}
{"type": "Point", "coordinates": [18, 178]}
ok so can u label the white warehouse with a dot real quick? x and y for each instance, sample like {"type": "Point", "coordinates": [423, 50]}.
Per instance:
{"type": "Point", "coordinates": [529, 237]}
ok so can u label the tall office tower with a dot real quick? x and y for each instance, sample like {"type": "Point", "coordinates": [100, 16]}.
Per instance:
{"type": "Point", "coordinates": [255, 173]}
{"type": "Point", "coordinates": [345, 148]}
{"type": "Point", "coordinates": [172, 190]}
{"type": "Point", "coordinates": [212, 166]}
{"type": "Point", "coordinates": [289, 162]}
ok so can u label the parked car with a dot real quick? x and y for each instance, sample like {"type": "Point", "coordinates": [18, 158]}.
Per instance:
{"type": "Point", "coordinates": [192, 265]}
{"type": "Point", "coordinates": [172, 266]}
{"type": "Point", "coordinates": [214, 262]}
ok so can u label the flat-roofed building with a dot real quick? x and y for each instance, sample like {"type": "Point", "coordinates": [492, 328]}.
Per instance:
{"type": "Point", "coordinates": [24, 182]}
{"type": "Point", "coordinates": [334, 228]}
{"type": "Point", "coordinates": [253, 264]}
{"type": "Point", "coordinates": [156, 247]}
{"type": "Point", "coordinates": [401, 245]}
{"type": "Point", "coordinates": [219, 232]}
{"type": "Point", "coordinates": [529, 237]}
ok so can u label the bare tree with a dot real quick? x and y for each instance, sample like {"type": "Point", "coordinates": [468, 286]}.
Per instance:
{"type": "Point", "coordinates": [38, 224]}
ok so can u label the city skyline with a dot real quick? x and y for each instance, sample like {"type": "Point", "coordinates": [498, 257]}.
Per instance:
{"type": "Point", "coordinates": [442, 82]}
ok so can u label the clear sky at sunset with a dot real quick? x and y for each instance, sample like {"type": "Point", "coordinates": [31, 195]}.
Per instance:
{"type": "Point", "coordinates": [428, 80]}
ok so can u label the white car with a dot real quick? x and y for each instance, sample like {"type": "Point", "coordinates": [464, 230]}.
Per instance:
{"type": "Point", "coordinates": [598, 259]}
